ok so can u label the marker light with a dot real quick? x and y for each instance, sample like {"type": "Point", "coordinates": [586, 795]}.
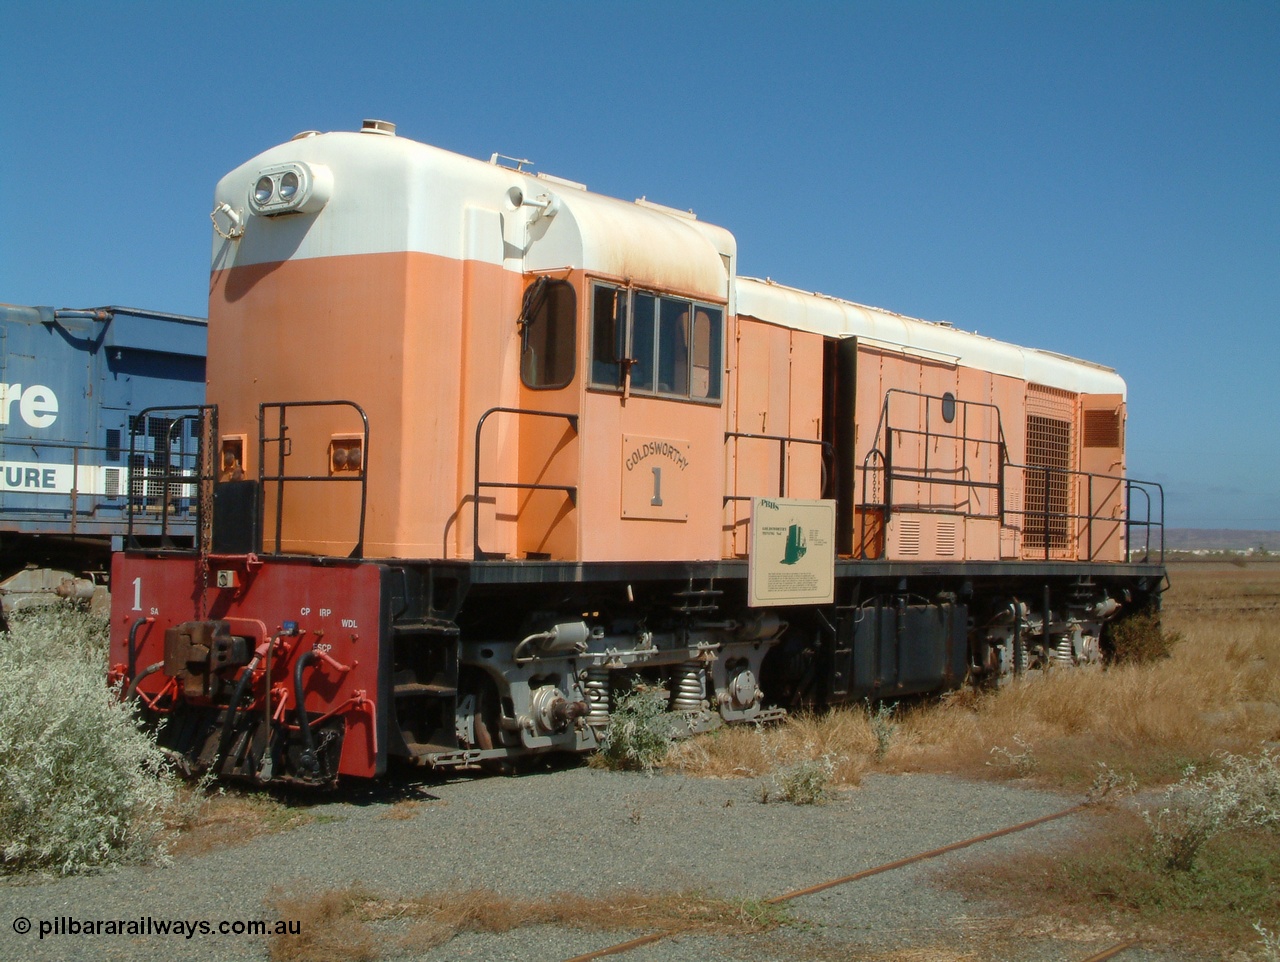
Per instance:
{"type": "Point", "coordinates": [346, 454]}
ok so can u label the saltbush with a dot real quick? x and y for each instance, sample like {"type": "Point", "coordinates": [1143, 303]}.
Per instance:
{"type": "Point", "coordinates": [882, 726]}
{"type": "Point", "coordinates": [80, 785]}
{"type": "Point", "coordinates": [639, 735]}
{"type": "Point", "coordinates": [1242, 792]}
{"type": "Point", "coordinates": [1269, 941]}
{"type": "Point", "coordinates": [1140, 638]}
{"type": "Point", "coordinates": [807, 781]}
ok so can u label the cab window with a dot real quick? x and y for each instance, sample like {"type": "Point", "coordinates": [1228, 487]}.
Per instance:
{"type": "Point", "coordinates": [547, 334]}
{"type": "Point", "coordinates": [608, 335]}
{"type": "Point", "coordinates": [671, 346]}
{"type": "Point", "coordinates": [707, 324]}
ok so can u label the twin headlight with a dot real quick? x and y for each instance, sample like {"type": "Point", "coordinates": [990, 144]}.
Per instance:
{"type": "Point", "coordinates": [291, 188]}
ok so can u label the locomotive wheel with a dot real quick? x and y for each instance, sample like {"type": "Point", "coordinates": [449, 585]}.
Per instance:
{"type": "Point", "coordinates": [488, 725]}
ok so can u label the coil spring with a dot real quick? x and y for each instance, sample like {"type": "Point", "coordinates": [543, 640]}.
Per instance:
{"type": "Point", "coordinates": [596, 688]}
{"type": "Point", "coordinates": [1063, 652]}
{"type": "Point", "coordinates": [690, 687]}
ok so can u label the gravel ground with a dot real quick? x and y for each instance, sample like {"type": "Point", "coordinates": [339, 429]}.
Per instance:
{"type": "Point", "coordinates": [595, 832]}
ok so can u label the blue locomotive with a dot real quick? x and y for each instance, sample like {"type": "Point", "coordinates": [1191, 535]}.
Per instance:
{"type": "Point", "coordinates": [83, 439]}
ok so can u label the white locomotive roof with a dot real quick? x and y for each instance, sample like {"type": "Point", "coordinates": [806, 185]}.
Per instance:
{"type": "Point", "coordinates": [391, 194]}
{"type": "Point", "coordinates": [833, 317]}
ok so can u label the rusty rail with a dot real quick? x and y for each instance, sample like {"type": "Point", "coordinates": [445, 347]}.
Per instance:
{"type": "Point", "coordinates": [650, 939]}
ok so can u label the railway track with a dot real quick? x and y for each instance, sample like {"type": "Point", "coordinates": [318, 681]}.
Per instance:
{"type": "Point", "coordinates": [641, 941]}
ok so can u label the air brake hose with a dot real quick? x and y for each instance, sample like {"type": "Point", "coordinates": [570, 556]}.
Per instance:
{"type": "Point", "coordinates": [132, 664]}
{"type": "Point", "coordinates": [308, 760]}
{"type": "Point", "coordinates": [132, 691]}
{"type": "Point", "coordinates": [233, 709]}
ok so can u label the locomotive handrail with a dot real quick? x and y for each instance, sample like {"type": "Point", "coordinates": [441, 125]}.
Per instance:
{"type": "Point", "coordinates": [280, 479]}
{"type": "Point", "coordinates": [206, 416]}
{"type": "Point", "coordinates": [570, 490]}
{"type": "Point", "coordinates": [1054, 525]}
{"type": "Point", "coordinates": [828, 457]}
{"type": "Point", "coordinates": [1143, 488]}
{"type": "Point", "coordinates": [1091, 516]}
{"type": "Point", "coordinates": [82, 457]}
{"type": "Point", "coordinates": [958, 476]}
{"type": "Point", "coordinates": [962, 408]}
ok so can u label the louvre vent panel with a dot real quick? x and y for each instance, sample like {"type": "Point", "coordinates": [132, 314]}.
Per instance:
{"type": "Point", "coordinates": [909, 538]}
{"type": "Point", "coordinates": [946, 539]}
{"type": "Point", "coordinates": [1101, 429]}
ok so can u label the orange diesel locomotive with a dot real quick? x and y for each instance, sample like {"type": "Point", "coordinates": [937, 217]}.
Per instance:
{"type": "Point", "coordinates": [482, 448]}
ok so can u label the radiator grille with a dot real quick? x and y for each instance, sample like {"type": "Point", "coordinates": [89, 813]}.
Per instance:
{"type": "Point", "coordinates": [1048, 446]}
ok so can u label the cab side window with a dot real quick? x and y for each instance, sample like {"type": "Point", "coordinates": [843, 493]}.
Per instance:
{"type": "Point", "coordinates": [707, 325]}
{"type": "Point", "coordinates": [608, 335]}
{"type": "Point", "coordinates": [671, 346]}
{"type": "Point", "coordinates": [643, 342]}
{"type": "Point", "coordinates": [548, 322]}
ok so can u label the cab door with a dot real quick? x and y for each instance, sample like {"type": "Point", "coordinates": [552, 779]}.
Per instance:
{"type": "Point", "coordinates": [653, 425]}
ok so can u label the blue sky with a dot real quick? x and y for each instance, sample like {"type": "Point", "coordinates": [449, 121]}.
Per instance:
{"type": "Point", "coordinates": [1099, 179]}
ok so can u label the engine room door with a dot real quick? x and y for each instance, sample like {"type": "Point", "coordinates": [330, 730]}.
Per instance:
{"type": "Point", "coordinates": [775, 430]}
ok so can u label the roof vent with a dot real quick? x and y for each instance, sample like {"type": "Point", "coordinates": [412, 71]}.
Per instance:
{"type": "Point", "coordinates": [378, 127]}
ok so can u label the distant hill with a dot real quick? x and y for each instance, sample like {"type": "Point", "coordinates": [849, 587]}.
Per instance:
{"type": "Point", "coordinates": [1219, 539]}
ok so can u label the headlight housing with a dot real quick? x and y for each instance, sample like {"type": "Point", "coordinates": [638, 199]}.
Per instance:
{"type": "Point", "coordinates": [291, 189]}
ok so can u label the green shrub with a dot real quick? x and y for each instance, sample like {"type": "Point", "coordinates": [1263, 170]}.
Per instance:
{"type": "Point", "coordinates": [81, 785]}
{"type": "Point", "coordinates": [639, 734]}
{"type": "Point", "coordinates": [1140, 639]}
{"type": "Point", "coordinates": [1243, 792]}
{"type": "Point", "coordinates": [806, 782]}
{"type": "Point", "coordinates": [882, 726]}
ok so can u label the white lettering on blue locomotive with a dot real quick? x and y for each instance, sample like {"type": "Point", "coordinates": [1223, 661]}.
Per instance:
{"type": "Point", "coordinates": [37, 405]}
{"type": "Point", "coordinates": [27, 476]}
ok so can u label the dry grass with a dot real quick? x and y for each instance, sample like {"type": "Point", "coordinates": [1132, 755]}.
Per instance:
{"type": "Point", "coordinates": [744, 752]}
{"type": "Point", "coordinates": [1220, 690]}
{"type": "Point", "coordinates": [403, 810]}
{"type": "Point", "coordinates": [331, 929]}
{"type": "Point", "coordinates": [210, 822]}
{"type": "Point", "coordinates": [358, 925]}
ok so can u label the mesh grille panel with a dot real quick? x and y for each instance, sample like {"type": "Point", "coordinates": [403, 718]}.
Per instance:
{"type": "Point", "coordinates": [1101, 429]}
{"type": "Point", "coordinates": [1048, 446]}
